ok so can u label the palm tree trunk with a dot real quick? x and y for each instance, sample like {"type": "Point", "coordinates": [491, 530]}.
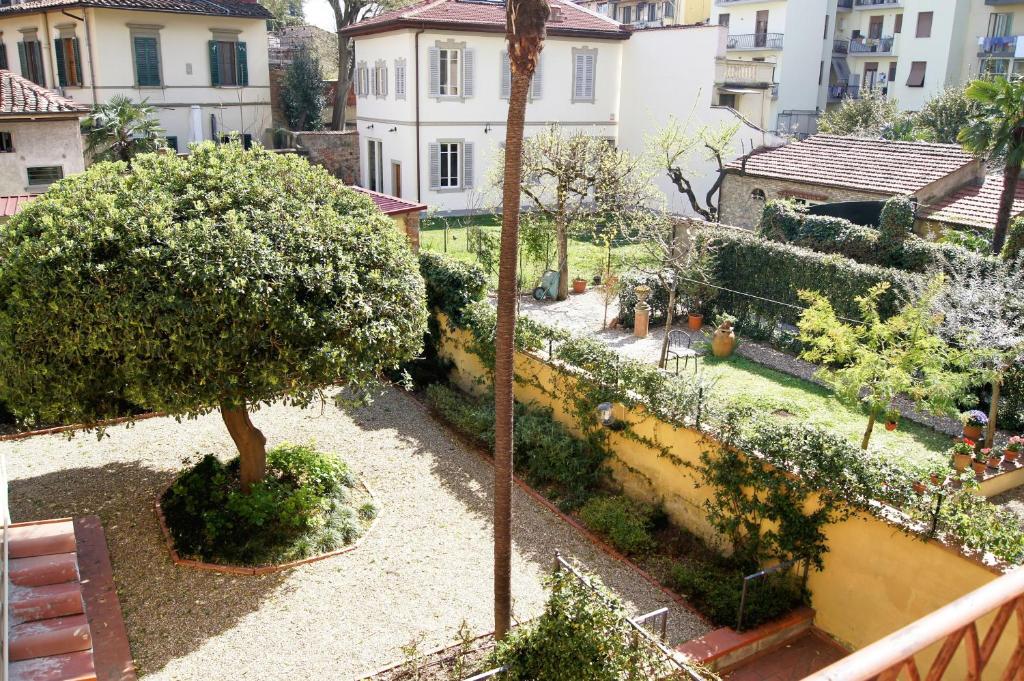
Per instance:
{"type": "Point", "coordinates": [1011, 174]}
{"type": "Point", "coordinates": [525, 33]}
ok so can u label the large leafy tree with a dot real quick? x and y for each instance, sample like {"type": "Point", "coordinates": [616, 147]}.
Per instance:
{"type": "Point", "coordinates": [524, 31]}
{"type": "Point", "coordinates": [870, 115]}
{"type": "Point", "coordinates": [303, 92]}
{"type": "Point", "coordinates": [224, 280]}
{"type": "Point", "coordinates": [119, 129]}
{"type": "Point", "coordinates": [944, 115]}
{"type": "Point", "coordinates": [997, 130]}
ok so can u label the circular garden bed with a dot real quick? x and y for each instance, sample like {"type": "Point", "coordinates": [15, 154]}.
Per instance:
{"type": "Point", "coordinates": [309, 506]}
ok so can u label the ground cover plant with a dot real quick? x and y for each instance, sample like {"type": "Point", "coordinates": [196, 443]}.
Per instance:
{"type": "Point", "coordinates": [308, 504]}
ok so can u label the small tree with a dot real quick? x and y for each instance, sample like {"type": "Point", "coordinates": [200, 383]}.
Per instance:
{"type": "Point", "coordinates": [943, 116]}
{"type": "Point", "coordinates": [996, 130]}
{"type": "Point", "coordinates": [871, 115]}
{"type": "Point", "coordinates": [224, 280]}
{"type": "Point", "coordinates": [119, 129]}
{"type": "Point", "coordinates": [873, 362]}
{"type": "Point", "coordinates": [674, 146]}
{"type": "Point", "coordinates": [302, 94]}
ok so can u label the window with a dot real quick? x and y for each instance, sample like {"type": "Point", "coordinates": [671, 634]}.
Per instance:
{"type": "Point", "coordinates": [870, 75]}
{"type": "Point", "coordinates": [146, 55]}
{"type": "Point", "coordinates": [451, 165]}
{"type": "Point", "coordinates": [670, 9]}
{"type": "Point", "coordinates": [245, 139]}
{"type": "Point", "coordinates": [172, 143]}
{"type": "Point", "coordinates": [892, 72]}
{"type": "Point", "coordinates": [994, 67]}
{"type": "Point", "coordinates": [30, 53]}
{"type": "Point", "coordinates": [374, 166]}
{"type": "Point", "coordinates": [536, 84]}
{"type": "Point", "coordinates": [898, 27]}
{"type": "Point", "coordinates": [400, 85]}
{"type": "Point", "coordinates": [380, 79]}
{"type": "Point", "coordinates": [875, 26]}
{"type": "Point", "coordinates": [627, 14]}
{"type": "Point", "coordinates": [42, 176]}
{"type": "Point", "coordinates": [68, 58]}
{"type": "Point", "coordinates": [450, 83]}
{"type": "Point", "coordinates": [727, 99]}
{"type": "Point", "coordinates": [924, 24]}
{"type": "Point", "coordinates": [1000, 24]}
{"type": "Point", "coordinates": [3, 56]}
{"type": "Point", "coordinates": [723, 20]}
{"type": "Point", "coordinates": [228, 63]}
{"type": "Point", "coordinates": [826, 27]}
{"type": "Point", "coordinates": [6, 143]}
{"type": "Point", "coordinates": [652, 12]}
{"type": "Point", "coordinates": [821, 72]}
{"type": "Point", "coordinates": [916, 77]}
{"type": "Point", "coordinates": [451, 70]}
{"type": "Point", "coordinates": [758, 195]}
{"type": "Point", "coordinates": [362, 80]}
{"type": "Point", "coordinates": [583, 72]}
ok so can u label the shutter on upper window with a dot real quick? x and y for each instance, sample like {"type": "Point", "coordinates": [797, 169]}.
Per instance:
{"type": "Point", "coordinates": [147, 62]}
{"type": "Point", "coordinates": [467, 165]}
{"type": "Point", "coordinates": [506, 76]}
{"type": "Point", "coordinates": [588, 79]}
{"type": "Point", "coordinates": [214, 63]}
{"type": "Point", "coordinates": [373, 82]}
{"type": "Point", "coordinates": [384, 81]}
{"type": "Point", "coordinates": [78, 79]}
{"type": "Point", "coordinates": [537, 86]}
{"type": "Point", "coordinates": [434, 57]}
{"type": "Point", "coordinates": [435, 165]}
{"type": "Point", "coordinates": [578, 70]}
{"type": "Point", "coordinates": [22, 59]}
{"type": "Point", "coordinates": [3, 56]}
{"type": "Point", "coordinates": [468, 60]}
{"type": "Point", "coordinates": [243, 63]}
{"type": "Point", "coordinates": [62, 72]}
{"type": "Point", "coordinates": [399, 81]}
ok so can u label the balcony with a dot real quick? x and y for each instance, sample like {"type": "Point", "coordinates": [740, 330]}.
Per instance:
{"type": "Point", "coordinates": [741, 73]}
{"type": "Point", "coordinates": [837, 93]}
{"type": "Point", "coordinates": [871, 46]}
{"type": "Point", "coordinates": [840, 46]}
{"type": "Point", "coordinates": [844, 4]}
{"type": "Point", "coordinates": [875, 4]}
{"type": "Point", "coordinates": [999, 46]}
{"type": "Point", "coordinates": [755, 41]}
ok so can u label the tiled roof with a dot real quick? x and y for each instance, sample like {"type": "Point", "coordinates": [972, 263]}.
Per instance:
{"type": "Point", "coordinates": [974, 205]}
{"type": "Point", "coordinates": [9, 205]}
{"type": "Point", "coordinates": [488, 15]}
{"type": "Point", "coordinates": [874, 165]}
{"type": "Point", "coordinates": [225, 8]}
{"type": "Point", "coordinates": [21, 96]}
{"type": "Point", "coordinates": [390, 205]}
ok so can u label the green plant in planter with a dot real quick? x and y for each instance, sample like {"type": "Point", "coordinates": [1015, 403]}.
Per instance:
{"type": "Point", "coordinates": [626, 523]}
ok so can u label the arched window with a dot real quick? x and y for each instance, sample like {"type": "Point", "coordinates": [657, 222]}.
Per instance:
{"type": "Point", "coordinates": [757, 195]}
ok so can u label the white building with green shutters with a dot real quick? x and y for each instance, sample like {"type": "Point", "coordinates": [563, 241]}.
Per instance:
{"type": "Point", "coordinates": [202, 64]}
{"type": "Point", "coordinates": [432, 85]}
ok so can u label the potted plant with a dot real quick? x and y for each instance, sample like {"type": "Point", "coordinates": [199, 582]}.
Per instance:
{"type": "Point", "coordinates": [918, 487]}
{"type": "Point", "coordinates": [936, 478]}
{"type": "Point", "coordinates": [974, 422]}
{"type": "Point", "coordinates": [994, 457]}
{"type": "Point", "coordinates": [892, 419]}
{"type": "Point", "coordinates": [1013, 447]}
{"type": "Point", "coordinates": [723, 342]}
{"type": "Point", "coordinates": [980, 462]}
{"type": "Point", "coordinates": [579, 285]}
{"type": "Point", "coordinates": [963, 452]}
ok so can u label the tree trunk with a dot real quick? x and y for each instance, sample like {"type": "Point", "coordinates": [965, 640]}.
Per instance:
{"type": "Point", "coordinates": [1010, 176]}
{"type": "Point", "coordinates": [993, 410]}
{"type": "Point", "coordinates": [524, 30]}
{"type": "Point", "coordinates": [252, 446]}
{"type": "Point", "coordinates": [563, 260]}
{"type": "Point", "coordinates": [867, 431]}
{"type": "Point", "coordinates": [344, 82]}
{"type": "Point", "coordinates": [663, 360]}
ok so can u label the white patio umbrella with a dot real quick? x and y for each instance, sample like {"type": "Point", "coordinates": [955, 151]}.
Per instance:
{"type": "Point", "coordinates": [196, 115]}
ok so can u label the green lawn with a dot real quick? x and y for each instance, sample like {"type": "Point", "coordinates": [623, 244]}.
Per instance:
{"type": "Point", "coordinates": [586, 258]}
{"type": "Point", "coordinates": [742, 380]}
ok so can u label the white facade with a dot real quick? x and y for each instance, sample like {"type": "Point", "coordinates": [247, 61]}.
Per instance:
{"type": "Point", "coordinates": [41, 151]}
{"type": "Point", "coordinates": [93, 51]}
{"type": "Point", "coordinates": [994, 39]}
{"type": "Point", "coordinates": [628, 98]}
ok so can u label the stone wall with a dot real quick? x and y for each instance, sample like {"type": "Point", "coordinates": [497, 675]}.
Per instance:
{"type": "Point", "coordinates": [338, 152]}
{"type": "Point", "coordinates": [739, 209]}
{"type": "Point", "coordinates": [409, 223]}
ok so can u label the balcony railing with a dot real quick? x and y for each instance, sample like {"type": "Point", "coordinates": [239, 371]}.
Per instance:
{"type": "Point", "coordinates": [877, 3]}
{"type": "Point", "coordinates": [840, 46]}
{"type": "Point", "coordinates": [838, 93]}
{"type": "Point", "coordinates": [755, 41]}
{"type": "Point", "coordinates": [1003, 46]}
{"type": "Point", "coordinates": [845, 4]}
{"type": "Point", "coordinates": [955, 626]}
{"type": "Point", "coordinates": [744, 72]}
{"type": "Point", "coordinates": [872, 46]}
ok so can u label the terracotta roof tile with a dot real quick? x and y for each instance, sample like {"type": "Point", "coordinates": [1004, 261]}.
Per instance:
{"type": "Point", "coordinates": [21, 96]}
{"type": "Point", "coordinates": [974, 205]}
{"type": "Point", "coordinates": [226, 8]}
{"type": "Point", "coordinates": [390, 205]}
{"type": "Point", "coordinates": [874, 165]}
{"type": "Point", "coordinates": [488, 15]}
{"type": "Point", "coordinates": [10, 205]}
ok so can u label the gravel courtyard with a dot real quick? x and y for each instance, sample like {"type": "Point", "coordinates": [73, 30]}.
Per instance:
{"type": "Point", "coordinates": [425, 566]}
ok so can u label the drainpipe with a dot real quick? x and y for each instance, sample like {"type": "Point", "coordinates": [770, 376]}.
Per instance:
{"type": "Point", "coordinates": [49, 50]}
{"type": "Point", "coordinates": [419, 179]}
{"type": "Point", "coordinates": [88, 51]}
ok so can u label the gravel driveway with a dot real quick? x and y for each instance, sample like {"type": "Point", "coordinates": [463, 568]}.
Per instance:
{"type": "Point", "coordinates": [425, 566]}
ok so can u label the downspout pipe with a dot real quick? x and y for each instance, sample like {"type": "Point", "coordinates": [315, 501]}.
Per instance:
{"type": "Point", "coordinates": [419, 179]}
{"type": "Point", "coordinates": [50, 50]}
{"type": "Point", "coordinates": [88, 50]}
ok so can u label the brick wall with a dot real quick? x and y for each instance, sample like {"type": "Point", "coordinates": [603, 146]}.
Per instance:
{"type": "Point", "coordinates": [739, 209]}
{"type": "Point", "coordinates": [338, 152]}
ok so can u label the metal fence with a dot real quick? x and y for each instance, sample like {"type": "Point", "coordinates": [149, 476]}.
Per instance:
{"type": "Point", "coordinates": [757, 580]}
{"type": "Point", "coordinates": [755, 41]}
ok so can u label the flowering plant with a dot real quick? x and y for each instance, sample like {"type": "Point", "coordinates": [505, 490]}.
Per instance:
{"type": "Point", "coordinates": [975, 417]}
{"type": "Point", "coordinates": [984, 454]}
{"type": "Point", "coordinates": [1015, 443]}
{"type": "Point", "coordinates": [964, 446]}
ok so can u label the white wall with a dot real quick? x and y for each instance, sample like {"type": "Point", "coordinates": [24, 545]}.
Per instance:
{"type": "Point", "coordinates": [943, 51]}
{"type": "Point", "coordinates": [39, 143]}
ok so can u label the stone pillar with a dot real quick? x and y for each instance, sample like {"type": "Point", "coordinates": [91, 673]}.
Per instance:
{"type": "Point", "coordinates": [643, 312]}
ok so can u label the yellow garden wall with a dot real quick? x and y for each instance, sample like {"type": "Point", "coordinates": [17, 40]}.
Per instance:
{"type": "Point", "coordinates": [876, 578]}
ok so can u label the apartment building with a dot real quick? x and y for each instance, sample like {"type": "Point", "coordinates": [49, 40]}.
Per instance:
{"type": "Point", "coordinates": [995, 39]}
{"type": "Point", "coordinates": [646, 14]}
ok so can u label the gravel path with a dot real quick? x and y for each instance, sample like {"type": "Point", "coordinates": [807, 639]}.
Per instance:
{"type": "Point", "coordinates": [583, 313]}
{"type": "Point", "coordinates": [424, 567]}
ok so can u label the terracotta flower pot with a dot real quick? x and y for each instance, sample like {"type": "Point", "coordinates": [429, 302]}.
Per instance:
{"type": "Point", "coordinates": [994, 461]}
{"type": "Point", "coordinates": [934, 477]}
{"type": "Point", "coordinates": [972, 432]}
{"type": "Point", "coordinates": [961, 462]}
{"type": "Point", "coordinates": [918, 487]}
{"type": "Point", "coordinates": [1011, 455]}
{"type": "Point", "coordinates": [695, 322]}
{"type": "Point", "coordinates": [979, 467]}
{"type": "Point", "coordinates": [723, 342]}
{"type": "Point", "coordinates": [579, 285]}
{"type": "Point", "coordinates": [890, 425]}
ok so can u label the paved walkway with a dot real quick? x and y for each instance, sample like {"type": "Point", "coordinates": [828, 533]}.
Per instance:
{"type": "Point", "coordinates": [425, 566]}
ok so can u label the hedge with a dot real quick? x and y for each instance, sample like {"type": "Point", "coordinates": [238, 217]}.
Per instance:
{"type": "Point", "coordinates": [451, 285]}
{"type": "Point", "coordinates": [658, 299]}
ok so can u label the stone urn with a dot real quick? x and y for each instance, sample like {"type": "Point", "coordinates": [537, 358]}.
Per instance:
{"type": "Point", "coordinates": [723, 342]}
{"type": "Point", "coordinates": [642, 321]}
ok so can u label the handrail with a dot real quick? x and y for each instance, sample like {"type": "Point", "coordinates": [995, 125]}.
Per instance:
{"type": "Point", "coordinates": [953, 623]}
{"type": "Point", "coordinates": [5, 511]}
{"type": "Point", "coordinates": [761, 574]}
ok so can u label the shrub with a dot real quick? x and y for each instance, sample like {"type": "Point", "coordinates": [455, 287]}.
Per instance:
{"type": "Point", "coordinates": [658, 299]}
{"type": "Point", "coordinates": [626, 523]}
{"type": "Point", "coordinates": [896, 226]}
{"type": "Point", "coordinates": [1014, 239]}
{"type": "Point", "coordinates": [716, 590]}
{"type": "Point", "coordinates": [451, 285]}
{"type": "Point", "coordinates": [299, 509]}
{"type": "Point", "coordinates": [472, 418]}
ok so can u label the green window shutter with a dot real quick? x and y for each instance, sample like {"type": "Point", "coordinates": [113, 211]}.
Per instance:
{"type": "Point", "coordinates": [62, 67]}
{"type": "Point", "coordinates": [22, 58]}
{"type": "Point", "coordinates": [214, 63]}
{"type": "Point", "coordinates": [79, 78]}
{"type": "Point", "coordinates": [3, 56]}
{"type": "Point", "coordinates": [243, 63]}
{"type": "Point", "coordinates": [37, 46]}
{"type": "Point", "coordinates": [147, 61]}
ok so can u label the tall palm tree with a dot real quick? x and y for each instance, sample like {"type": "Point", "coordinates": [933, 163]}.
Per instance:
{"type": "Point", "coordinates": [119, 129]}
{"type": "Point", "coordinates": [524, 29]}
{"type": "Point", "coordinates": [998, 130]}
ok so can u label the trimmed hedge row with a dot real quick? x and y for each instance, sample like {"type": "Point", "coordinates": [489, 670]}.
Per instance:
{"type": "Point", "coordinates": [451, 285]}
